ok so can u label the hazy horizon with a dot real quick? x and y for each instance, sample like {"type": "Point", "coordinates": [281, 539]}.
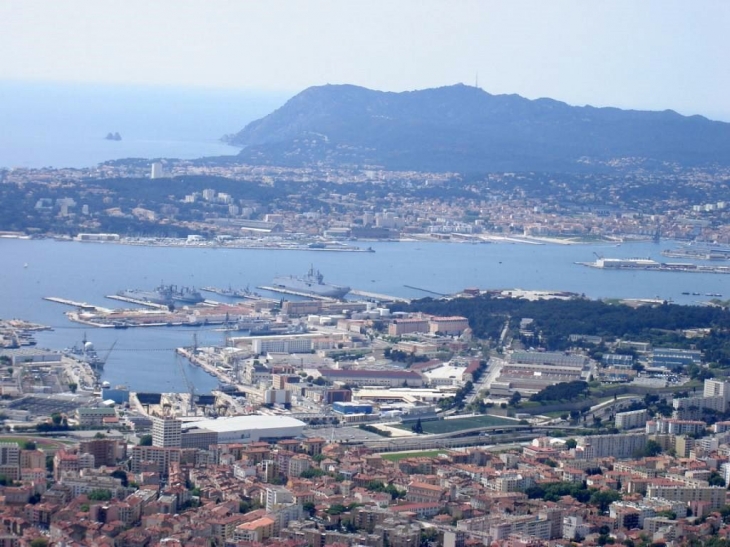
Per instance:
{"type": "Point", "coordinates": [277, 98]}
{"type": "Point", "coordinates": [653, 55]}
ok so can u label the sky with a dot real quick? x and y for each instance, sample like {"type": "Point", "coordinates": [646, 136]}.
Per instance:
{"type": "Point", "coordinates": [645, 54]}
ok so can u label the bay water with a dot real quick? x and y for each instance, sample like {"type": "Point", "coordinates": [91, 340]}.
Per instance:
{"type": "Point", "coordinates": [144, 358]}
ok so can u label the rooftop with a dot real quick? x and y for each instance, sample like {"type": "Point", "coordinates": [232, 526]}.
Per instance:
{"type": "Point", "coordinates": [355, 373]}
{"type": "Point", "coordinates": [252, 422]}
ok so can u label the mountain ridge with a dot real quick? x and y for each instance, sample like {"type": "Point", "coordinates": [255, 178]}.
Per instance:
{"type": "Point", "coordinates": [463, 128]}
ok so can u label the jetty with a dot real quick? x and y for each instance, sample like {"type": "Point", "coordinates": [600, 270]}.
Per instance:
{"type": "Point", "coordinates": [424, 290]}
{"type": "Point", "coordinates": [379, 296]}
{"type": "Point", "coordinates": [647, 264]}
{"type": "Point", "coordinates": [297, 293]}
{"type": "Point", "coordinates": [144, 303]}
{"type": "Point", "coordinates": [75, 304]}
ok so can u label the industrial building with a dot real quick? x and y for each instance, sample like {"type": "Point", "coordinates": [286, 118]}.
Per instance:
{"type": "Point", "coordinates": [32, 356]}
{"type": "Point", "coordinates": [247, 429]}
{"type": "Point", "coordinates": [362, 377]}
{"type": "Point", "coordinates": [675, 357]}
{"type": "Point", "coordinates": [352, 408]}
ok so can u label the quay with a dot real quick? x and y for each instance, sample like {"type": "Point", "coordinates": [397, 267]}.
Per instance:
{"type": "Point", "coordinates": [239, 294]}
{"type": "Point", "coordinates": [81, 305]}
{"type": "Point", "coordinates": [297, 293]}
{"type": "Point", "coordinates": [647, 264]}
{"type": "Point", "coordinates": [424, 290]}
{"type": "Point", "coordinates": [135, 301]}
{"type": "Point", "coordinates": [380, 297]}
{"type": "Point", "coordinates": [200, 360]}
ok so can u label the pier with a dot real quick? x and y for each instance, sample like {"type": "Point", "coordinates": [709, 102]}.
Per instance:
{"type": "Point", "coordinates": [380, 297]}
{"type": "Point", "coordinates": [138, 302]}
{"type": "Point", "coordinates": [424, 290]}
{"type": "Point", "coordinates": [73, 303]}
{"type": "Point", "coordinates": [297, 293]}
{"type": "Point", "coordinates": [645, 264]}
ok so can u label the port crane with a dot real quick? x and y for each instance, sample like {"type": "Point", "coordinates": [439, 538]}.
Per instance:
{"type": "Point", "coordinates": [189, 384]}
{"type": "Point", "coordinates": [109, 351]}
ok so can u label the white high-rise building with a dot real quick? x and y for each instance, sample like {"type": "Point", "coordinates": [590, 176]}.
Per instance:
{"type": "Point", "coordinates": [156, 172]}
{"type": "Point", "coordinates": [631, 419]}
{"type": "Point", "coordinates": [717, 388]}
{"type": "Point", "coordinates": [166, 432]}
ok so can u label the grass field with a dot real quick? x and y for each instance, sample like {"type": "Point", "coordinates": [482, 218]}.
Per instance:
{"type": "Point", "coordinates": [459, 424]}
{"type": "Point", "coordinates": [403, 455]}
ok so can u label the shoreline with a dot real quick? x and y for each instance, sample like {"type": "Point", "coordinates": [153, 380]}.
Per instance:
{"type": "Point", "coordinates": [346, 246]}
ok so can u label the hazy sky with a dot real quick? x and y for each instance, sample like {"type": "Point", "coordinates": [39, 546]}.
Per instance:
{"type": "Point", "coordinates": [653, 54]}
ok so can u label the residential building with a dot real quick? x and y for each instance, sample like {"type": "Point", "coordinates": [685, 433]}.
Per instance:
{"type": "Point", "coordinates": [632, 419]}
{"type": "Point", "coordinates": [166, 432]}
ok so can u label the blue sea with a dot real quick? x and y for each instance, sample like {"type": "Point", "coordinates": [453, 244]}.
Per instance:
{"type": "Point", "coordinates": [64, 125]}
{"type": "Point", "coordinates": [144, 358]}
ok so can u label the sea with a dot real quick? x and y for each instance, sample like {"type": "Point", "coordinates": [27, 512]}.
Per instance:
{"type": "Point", "coordinates": [64, 125]}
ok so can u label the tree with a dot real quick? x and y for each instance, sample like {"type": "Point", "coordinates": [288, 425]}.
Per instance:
{"type": "Point", "coordinates": [73, 386]}
{"type": "Point", "coordinates": [418, 427]}
{"type": "Point", "coordinates": [121, 475]}
{"type": "Point", "coordinates": [571, 443]}
{"type": "Point", "coordinates": [56, 418]}
{"type": "Point", "coordinates": [715, 479]}
{"type": "Point", "coordinates": [29, 445]}
{"type": "Point", "coordinates": [145, 440]}
{"type": "Point", "coordinates": [515, 399]}
{"type": "Point", "coordinates": [429, 536]}
{"type": "Point", "coordinates": [603, 498]}
{"type": "Point", "coordinates": [39, 542]}
{"type": "Point", "coordinates": [311, 473]}
{"type": "Point", "coordinates": [651, 449]}
{"type": "Point", "coordinates": [336, 509]}
{"type": "Point", "coordinates": [309, 508]}
{"type": "Point", "coordinates": [248, 504]}
{"type": "Point", "coordinates": [100, 494]}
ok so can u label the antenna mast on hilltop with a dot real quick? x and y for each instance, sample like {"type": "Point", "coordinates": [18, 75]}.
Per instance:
{"type": "Point", "coordinates": [476, 81]}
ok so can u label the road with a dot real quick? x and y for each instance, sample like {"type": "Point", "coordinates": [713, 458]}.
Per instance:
{"type": "Point", "coordinates": [607, 408]}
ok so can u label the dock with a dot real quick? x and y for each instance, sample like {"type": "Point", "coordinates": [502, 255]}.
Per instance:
{"type": "Point", "coordinates": [242, 295]}
{"type": "Point", "coordinates": [380, 297]}
{"type": "Point", "coordinates": [297, 293]}
{"type": "Point", "coordinates": [73, 303]}
{"type": "Point", "coordinates": [424, 290]}
{"type": "Point", "coordinates": [138, 302]}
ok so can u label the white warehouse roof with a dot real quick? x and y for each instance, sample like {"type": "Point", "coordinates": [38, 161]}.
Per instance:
{"type": "Point", "coordinates": [245, 423]}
